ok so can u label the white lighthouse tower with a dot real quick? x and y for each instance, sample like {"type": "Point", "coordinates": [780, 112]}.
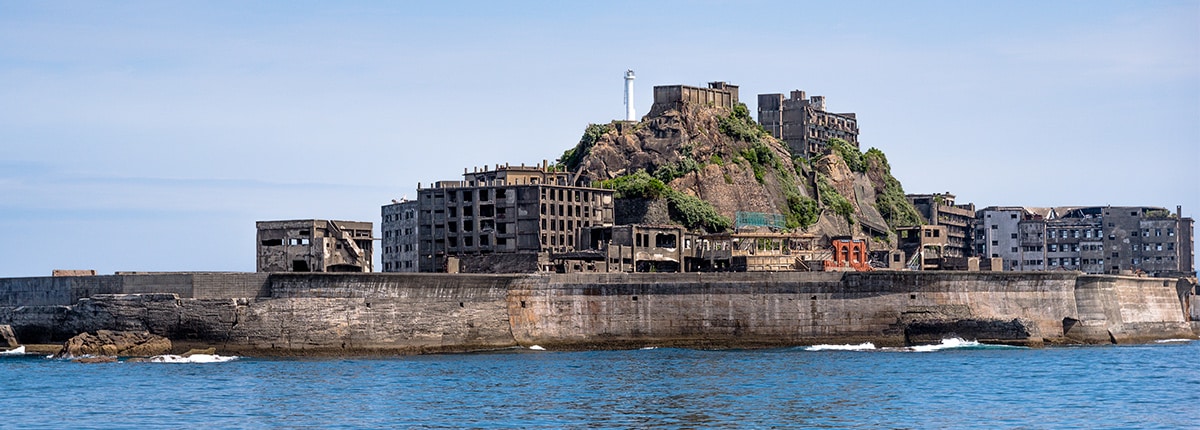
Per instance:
{"type": "Point", "coordinates": [629, 115]}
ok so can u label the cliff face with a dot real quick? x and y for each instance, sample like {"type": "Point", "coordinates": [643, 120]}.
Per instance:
{"type": "Point", "coordinates": [728, 161]}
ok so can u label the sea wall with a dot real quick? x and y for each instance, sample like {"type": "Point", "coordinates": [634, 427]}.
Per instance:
{"type": "Point", "coordinates": [763, 309]}
{"type": "Point", "coordinates": [66, 290]}
{"type": "Point", "coordinates": [378, 313]}
{"type": "Point", "coordinates": [1123, 309]}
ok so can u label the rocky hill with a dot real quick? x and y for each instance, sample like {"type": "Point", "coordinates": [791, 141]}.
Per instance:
{"type": "Point", "coordinates": [701, 165]}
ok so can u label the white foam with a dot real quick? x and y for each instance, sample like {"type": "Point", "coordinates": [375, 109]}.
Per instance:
{"type": "Point", "coordinates": [946, 344]}
{"type": "Point", "coordinates": [1173, 340]}
{"type": "Point", "coordinates": [866, 346]}
{"type": "Point", "coordinates": [537, 348]}
{"type": "Point", "coordinates": [649, 348]}
{"type": "Point", "coordinates": [20, 350]}
{"type": "Point", "coordinates": [194, 358]}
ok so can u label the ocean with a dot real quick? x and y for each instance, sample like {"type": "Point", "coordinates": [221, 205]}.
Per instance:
{"type": "Point", "coordinates": [954, 385]}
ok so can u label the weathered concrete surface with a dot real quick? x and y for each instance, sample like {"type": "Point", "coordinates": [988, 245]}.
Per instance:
{"type": "Point", "coordinates": [748, 309]}
{"type": "Point", "coordinates": [1123, 309]}
{"type": "Point", "coordinates": [352, 314]}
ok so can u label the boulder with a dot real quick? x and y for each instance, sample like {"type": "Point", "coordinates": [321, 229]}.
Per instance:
{"type": "Point", "coordinates": [8, 338]}
{"type": "Point", "coordinates": [94, 360]}
{"type": "Point", "coordinates": [205, 351]}
{"type": "Point", "coordinates": [116, 343]}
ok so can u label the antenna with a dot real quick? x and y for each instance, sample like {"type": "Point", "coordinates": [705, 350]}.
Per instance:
{"type": "Point", "coordinates": [629, 115]}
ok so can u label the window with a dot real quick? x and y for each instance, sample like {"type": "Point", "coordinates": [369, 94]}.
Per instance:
{"type": "Point", "coordinates": [1014, 249]}
{"type": "Point", "coordinates": [995, 227]}
{"type": "Point", "coordinates": [1170, 232]}
{"type": "Point", "coordinates": [1158, 232]}
{"type": "Point", "coordinates": [1012, 216]}
{"type": "Point", "coordinates": [1053, 248]}
{"type": "Point", "coordinates": [1014, 235]}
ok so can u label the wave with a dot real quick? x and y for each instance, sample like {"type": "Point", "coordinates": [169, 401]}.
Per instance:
{"type": "Point", "coordinates": [194, 358]}
{"type": "Point", "coordinates": [958, 343]}
{"type": "Point", "coordinates": [20, 350]}
{"type": "Point", "coordinates": [537, 348]}
{"type": "Point", "coordinates": [1173, 340]}
{"type": "Point", "coordinates": [952, 343]}
{"type": "Point", "coordinates": [866, 346]}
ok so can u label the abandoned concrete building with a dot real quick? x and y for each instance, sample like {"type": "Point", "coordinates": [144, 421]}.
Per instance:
{"type": "Point", "coordinates": [940, 209]}
{"type": "Point", "coordinates": [668, 97]}
{"type": "Point", "coordinates": [760, 250]}
{"type": "Point", "coordinates": [923, 247]}
{"type": "Point", "coordinates": [1090, 239]}
{"type": "Point", "coordinates": [506, 219]}
{"type": "Point", "coordinates": [314, 245]}
{"type": "Point", "coordinates": [399, 231]}
{"type": "Point", "coordinates": [628, 248]}
{"type": "Point", "coordinates": [803, 123]}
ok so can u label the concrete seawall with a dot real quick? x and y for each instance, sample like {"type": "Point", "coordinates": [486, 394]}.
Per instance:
{"type": "Point", "coordinates": [307, 314]}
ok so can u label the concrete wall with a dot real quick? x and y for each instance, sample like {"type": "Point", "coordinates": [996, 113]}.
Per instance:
{"type": "Point", "coordinates": [314, 313]}
{"type": "Point", "coordinates": [783, 308]}
{"type": "Point", "coordinates": [1124, 309]}
{"type": "Point", "coordinates": [64, 291]}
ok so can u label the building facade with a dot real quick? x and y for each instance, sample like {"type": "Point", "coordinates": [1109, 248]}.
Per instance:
{"type": "Point", "coordinates": [940, 209]}
{"type": "Point", "coordinates": [803, 123]}
{"type": "Point", "coordinates": [399, 247]}
{"type": "Point", "coordinates": [1090, 239]}
{"type": "Point", "coordinates": [668, 97]}
{"type": "Point", "coordinates": [314, 245]}
{"type": "Point", "coordinates": [506, 219]}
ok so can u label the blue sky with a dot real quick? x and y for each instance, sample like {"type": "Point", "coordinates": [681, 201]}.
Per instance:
{"type": "Point", "coordinates": [152, 135]}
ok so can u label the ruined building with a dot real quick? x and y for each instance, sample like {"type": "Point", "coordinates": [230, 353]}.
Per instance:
{"type": "Point", "coordinates": [507, 219]}
{"type": "Point", "coordinates": [314, 245]}
{"type": "Point", "coordinates": [939, 209]}
{"type": "Point", "coordinates": [668, 97]}
{"type": "Point", "coordinates": [1090, 239]}
{"type": "Point", "coordinates": [803, 124]}
{"type": "Point", "coordinates": [399, 234]}
{"type": "Point", "coordinates": [628, 248]}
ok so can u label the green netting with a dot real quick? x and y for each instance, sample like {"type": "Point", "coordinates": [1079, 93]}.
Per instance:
{"type": "Point", "coordinates": [758, 219]}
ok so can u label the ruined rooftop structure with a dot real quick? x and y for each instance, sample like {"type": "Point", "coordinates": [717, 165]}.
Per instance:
{"type": "Point", "coordinates": [803, 123]}
{"type": "Point", "coordinates": [718, 94]}
{"type": "Point", "coordinates": [314, 245]}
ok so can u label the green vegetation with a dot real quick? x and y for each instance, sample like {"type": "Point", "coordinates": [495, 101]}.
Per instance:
{"type": "Point", "coordinates": [716, 159]}
{"type": "Point", "coordinates": [695, 214]}
{"type": "Point", "coordinates": [897, 211]}
{"type": "Point", "coordinates": [639, 185]}
{"type": "Point", "coordinates": [668, 172]}
{"type": "Point", "coordinates": [572, 157]}
{"type": "Point", "coordinates": [687, 210]}
{"type": "Point", "coordinates": [739, 125]}
{"type": "Point", "coordinates": [802, 211]}
{"type": "Point", "coordinates": [760, 157]}
{"type": "Point", "coordinates": [834, 200]}
{"type": "Point", "coordinates": [854, 159]}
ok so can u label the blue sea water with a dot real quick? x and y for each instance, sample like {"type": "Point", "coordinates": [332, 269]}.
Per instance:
{"type": "Point", "coordinates": [956, 386]}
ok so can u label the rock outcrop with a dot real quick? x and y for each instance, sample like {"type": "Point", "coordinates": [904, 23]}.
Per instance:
{"type": "Point", "coordinates": [115, 343]}
{"type": "Point", "coordinates": [726, 159]}
{"type": "Point", "coordinates": [8, 339]}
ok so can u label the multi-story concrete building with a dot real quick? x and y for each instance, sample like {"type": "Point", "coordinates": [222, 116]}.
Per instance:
{"type": "Point", "coordinates": [1090, 239]}
{"type": "Point", "coordinates": [1011, 233]}
{"type": "Point", "coordinates": [506, 219]}
{"type": "Point", "coordinates": [719, 94]}
{"type": "Point", "coordinates": [399, 234]}
{"type": "Point", "coordinates": [939, 209]}
{"type": "Point", "coordinates": [314, 245]}
{"type": "Point", "coordinates": [803, 123]}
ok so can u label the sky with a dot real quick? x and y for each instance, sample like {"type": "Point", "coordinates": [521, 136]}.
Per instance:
{"type": "Point", "coordinates": [150, 136]}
